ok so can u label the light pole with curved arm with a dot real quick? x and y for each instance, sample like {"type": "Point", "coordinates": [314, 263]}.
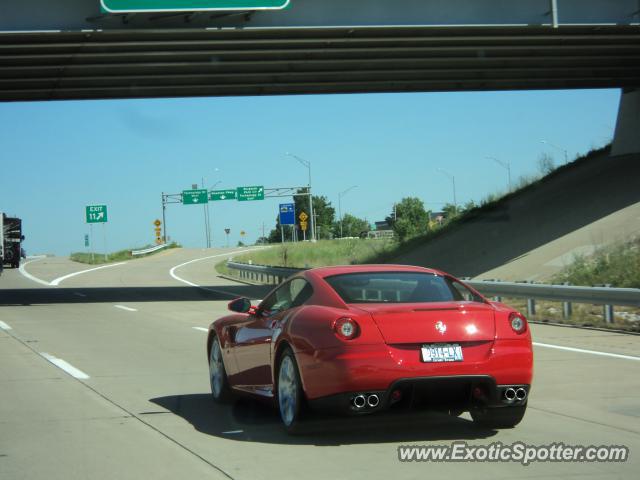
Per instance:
{"type": "Point", "coordinates": [340, 195]}
{"type": "Point", "coordinates": [505, 165]}
{"type": "Point", "coordinates": [312, 222]}
{"type": "Point", "coordinates": [453, 181]}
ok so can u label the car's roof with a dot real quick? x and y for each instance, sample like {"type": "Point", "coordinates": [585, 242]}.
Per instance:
{"type": "Point", "coordinates": [344, 269]}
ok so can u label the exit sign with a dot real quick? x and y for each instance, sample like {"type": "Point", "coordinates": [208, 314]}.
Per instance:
{"type": "Point", "coordinates": [195, 196]}
{"type": "Point", "coordinates": [132, 6]}
{"type": "Point", "coordinates": [245, 194]}
{"type": "Point", "coordinates": [96, 214]}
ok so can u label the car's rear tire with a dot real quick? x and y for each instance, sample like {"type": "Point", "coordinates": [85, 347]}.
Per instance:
{"type": "Point", "coordinates": [220, 389]}
{"type": "Point", "coordinates": [290, 395]}
{"type": "Point", "coordinates": [501, 417]}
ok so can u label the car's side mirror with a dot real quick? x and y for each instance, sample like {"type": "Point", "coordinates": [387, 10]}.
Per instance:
{"type": "Point", "coordinates": [240, 305]}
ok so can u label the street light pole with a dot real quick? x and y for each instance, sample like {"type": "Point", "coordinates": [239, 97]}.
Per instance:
{"type": "Point", "coordinates": [453, 181]}
{"type": "Point", "coordinates": [563, 150]}
{"type": "Point", "coordinates": [340, 195]}
{"type": "Point", "coordinates": [307, 164]}
{"type": "Point", "coordinates": [208, 213]}
{"type": "Point", "coordinates": [503, 164]}
{"type": "Point", "coordinates": [206, 219]}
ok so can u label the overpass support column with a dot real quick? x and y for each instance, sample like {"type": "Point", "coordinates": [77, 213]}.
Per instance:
{"type": "Point", "coordinates": [627, 137]}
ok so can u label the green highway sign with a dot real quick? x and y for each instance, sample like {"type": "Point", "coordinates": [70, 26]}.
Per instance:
{"type": "Point", "coordinates": [222, 195]}
{"type": "Point", "coordinates": [246, 194]}
{"type": "Point", "coordinates": [96, 213]}
{"type": "Point", "coordinates": [194, 197]}
{"type": "Point", "coordinates": [132, 6]}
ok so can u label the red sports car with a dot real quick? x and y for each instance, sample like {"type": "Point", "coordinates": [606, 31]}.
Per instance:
{"type": "Point", "coordinates": [370, 338]}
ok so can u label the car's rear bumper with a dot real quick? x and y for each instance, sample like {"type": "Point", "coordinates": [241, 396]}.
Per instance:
{"type": "Point", "coordinates": [382, 368]}
{"type": "Point", "coordinates": [449, 393]}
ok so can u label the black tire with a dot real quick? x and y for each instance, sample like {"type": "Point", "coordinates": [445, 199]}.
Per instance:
{"type": "Point", "coordinates": [290, 397]}
{"type": "Point", "coordinates": [501, 417]}
{"type": "Point", "coordinates": [220, 389]}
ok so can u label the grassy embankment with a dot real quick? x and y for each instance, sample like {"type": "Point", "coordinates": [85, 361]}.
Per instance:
{"type": "Point", "coordinates": [119, 256]}
{"type": "Point", "coordinates": [318, 254]}
{"type": "Point", "coordinates": [384, 251]}
{"type": "Point", "coordinates": [617, 265]}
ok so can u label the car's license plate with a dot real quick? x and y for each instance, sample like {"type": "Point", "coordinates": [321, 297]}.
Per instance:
{"type": "Point", "coordinates": [442, 352]}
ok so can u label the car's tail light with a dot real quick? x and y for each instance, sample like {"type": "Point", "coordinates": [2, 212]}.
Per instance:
{"type": "Point", "coordinates": [518, 323]}
{"type": "Point", "coordinates": [346, 328]}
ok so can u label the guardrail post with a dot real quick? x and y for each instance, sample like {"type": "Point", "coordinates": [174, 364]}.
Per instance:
{"type": "Point", "coordinates": [531, 306]}
{"type": "Point", "coordinates": [608, 313]}
{"type": "Point", "coordinates": [567, 309]}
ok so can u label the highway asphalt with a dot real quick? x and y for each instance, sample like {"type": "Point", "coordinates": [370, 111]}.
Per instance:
{"type": "Point", "coordinates": [103, 375]}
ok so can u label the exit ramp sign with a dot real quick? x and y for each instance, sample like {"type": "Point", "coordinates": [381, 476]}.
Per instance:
{"type": "Point", "coordinates": [96, 214]}
{"type": "Point", "coordinates": [134, 6]}
{"type": "Point", "coordinates": [245, 194]}
{"type": "Point", "coordinates": [194, 197]}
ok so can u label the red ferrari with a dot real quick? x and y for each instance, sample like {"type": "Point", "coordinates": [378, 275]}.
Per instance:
{"type": "Point", "coordinates": [372, 338]}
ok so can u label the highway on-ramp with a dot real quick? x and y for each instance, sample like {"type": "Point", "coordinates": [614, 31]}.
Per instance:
{"type": "Point", "coordinates": [104, 375]}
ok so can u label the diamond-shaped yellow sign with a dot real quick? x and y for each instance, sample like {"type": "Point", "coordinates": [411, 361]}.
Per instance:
{"type": "Point", "coordinates": [303, 217]}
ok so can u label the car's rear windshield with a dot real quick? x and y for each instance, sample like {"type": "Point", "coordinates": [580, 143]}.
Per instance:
{"type": "Point", "coordinates": [399, 287]}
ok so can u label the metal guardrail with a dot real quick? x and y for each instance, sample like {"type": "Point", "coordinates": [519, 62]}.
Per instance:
{"type": "Point", "coordinates": [148, 250]}
{"type": "Point", "coordinates": [567, 294]}
{"type": "Point", "coordinates": [262, 273]}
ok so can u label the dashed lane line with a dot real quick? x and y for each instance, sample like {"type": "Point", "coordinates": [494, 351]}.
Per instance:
{"type": "Point", "coordinates": [128, 309]}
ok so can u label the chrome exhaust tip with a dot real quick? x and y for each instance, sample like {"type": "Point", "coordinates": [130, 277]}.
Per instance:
{"type": "Point", "coordinates": [510, 394]}
{"type": "Point", "coordinates": [359, 401]}
{"type": "Point", "coordinates": [373, 400]}
{"type": "Point", "coordinates": [521, 394]}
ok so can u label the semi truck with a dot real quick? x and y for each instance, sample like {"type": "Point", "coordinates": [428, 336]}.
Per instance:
{"type": "Point", "coordinates": [12, 237]}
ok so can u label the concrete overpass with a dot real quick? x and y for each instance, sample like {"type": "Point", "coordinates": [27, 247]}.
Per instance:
{"type": "Point", "coordinates": [73, 49]}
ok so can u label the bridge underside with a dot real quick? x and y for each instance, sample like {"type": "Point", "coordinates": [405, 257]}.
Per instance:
{"type": "Point", "coordinates": [136, 63]}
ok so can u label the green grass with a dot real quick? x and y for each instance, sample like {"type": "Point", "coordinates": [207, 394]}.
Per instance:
{"type": "Point", "coordinates": [617, 265]}
{"type": "Point", "coordinates": [119, 256]}
{"type": "Point", "coordinates": [318, 254]}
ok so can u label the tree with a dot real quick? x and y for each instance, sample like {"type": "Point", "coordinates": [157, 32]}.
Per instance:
{"type": "Point", "coordinates": [410, 218]}
{"type": "Point", "coordinates": [546, 165]}
{"type": "Point", "coordinates": [322, 209]}
{"type": "Point", "coordinates": [450, 211]}
{"type": "Point", "coordinates": [352, 226]}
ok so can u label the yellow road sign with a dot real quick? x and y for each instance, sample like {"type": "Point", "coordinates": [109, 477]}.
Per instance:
{"type": "Point", "coordinates": [303, 225]}
{"type": "Point", "coordinates": [303, 217]}
{"type": "Point", "coordinates": [157, 223]}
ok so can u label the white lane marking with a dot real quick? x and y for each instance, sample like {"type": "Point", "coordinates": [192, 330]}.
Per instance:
{"type": "Point", "coordinates": [173, 274]}
{"type": "Point", "coordinates": [202, 329]}
{"type": "Point", "coordinates": [57, 281]}
{"type": "Point", "coordinates": [67, 367]}
{"type": "Point", "coordinates": [128, 309]}
{"type": "Point", "coordinates": [4, 326]}
{"type": "Point", "coordinates": [26, 274]}
{"type": "Point", "coordinates": [591, 352]}
{"type": "Point", "coordinates": [78, 294]}
{"type": "Point", "coordinates": [231, 432]}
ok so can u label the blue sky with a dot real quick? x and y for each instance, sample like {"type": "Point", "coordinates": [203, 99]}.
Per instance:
{"type": "Point", "coordinates": [125, 153]}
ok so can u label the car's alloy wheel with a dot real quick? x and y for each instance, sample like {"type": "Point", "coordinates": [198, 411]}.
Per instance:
{"type": "Point", "coordinates": [217, 373]}
{"type": "Point", "coordinates": [289, 392]}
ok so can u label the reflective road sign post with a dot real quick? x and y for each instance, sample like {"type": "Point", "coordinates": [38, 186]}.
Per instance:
{"type": "Point", "coordinates": [97, 214]}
